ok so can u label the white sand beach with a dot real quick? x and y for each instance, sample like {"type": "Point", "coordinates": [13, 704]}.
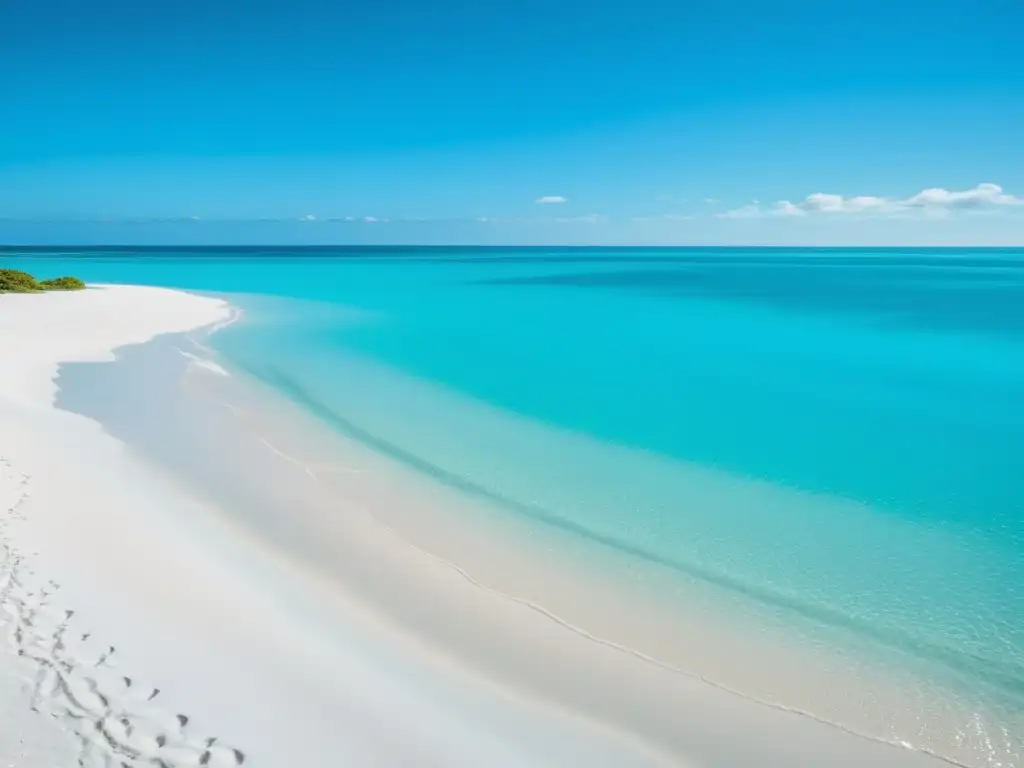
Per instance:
{"type": "Point", "coordinates": [144, 626]}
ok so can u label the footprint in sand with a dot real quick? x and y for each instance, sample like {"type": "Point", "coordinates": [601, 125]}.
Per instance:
{"type": "Point", "coordinates": [117, 722]}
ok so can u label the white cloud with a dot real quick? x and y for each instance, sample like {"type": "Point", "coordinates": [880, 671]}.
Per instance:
{"type": "Point", "coordinates": [551, 199]}
{"type": "Point", "coordinates": [982, 196]}
{"type": "Point", "coordinates": [786, 208]}
{"type": "Point", "coordinates": [307, 217]}
{"type": "Point", "coordinates": [590, 218]}
{"type": "Point", "coordinates": [820, 202]}
{"type": "Point", "coordinates": [928, 202]}
{"type": "Point", "coordinates": [370, 219]}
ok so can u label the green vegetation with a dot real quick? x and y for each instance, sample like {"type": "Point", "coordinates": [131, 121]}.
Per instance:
{"type": "Point", "coordinates": [63, 284]}
{"type": "Point", "coordinates": [14, 281]}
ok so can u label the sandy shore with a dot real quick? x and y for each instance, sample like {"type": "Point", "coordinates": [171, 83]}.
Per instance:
{"type": "Point", "coordinates": [149, 628]}
{"type": "Point", "coordinates": [245, 617]}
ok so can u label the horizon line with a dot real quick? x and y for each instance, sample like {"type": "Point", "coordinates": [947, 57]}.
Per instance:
{"type": "Point", "coordinates": [489, 246]}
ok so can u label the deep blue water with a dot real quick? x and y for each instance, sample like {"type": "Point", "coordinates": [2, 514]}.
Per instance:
{"type": "Point", "coordinates": [893, 378]}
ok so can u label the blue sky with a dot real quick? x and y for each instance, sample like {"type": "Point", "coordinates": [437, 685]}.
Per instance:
{"type": "Point", "coordinates": [641, 122]}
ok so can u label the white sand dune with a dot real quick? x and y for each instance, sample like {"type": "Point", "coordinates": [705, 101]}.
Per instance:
{"type": "Point", "coordinates": [147, 627]}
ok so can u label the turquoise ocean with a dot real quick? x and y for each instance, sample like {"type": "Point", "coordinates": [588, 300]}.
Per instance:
{"type": "Point", "coordinates": [879, 390]}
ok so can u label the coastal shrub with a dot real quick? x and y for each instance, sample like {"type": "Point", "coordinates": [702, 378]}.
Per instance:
{"type": "Point", "coordinates": [63, 284]}
{"type": "Point", "coordinates": [14, 281]}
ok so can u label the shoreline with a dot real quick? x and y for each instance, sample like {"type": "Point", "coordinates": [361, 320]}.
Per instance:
{"type": "Point", "coordinates": [416, 508]}
{"type": "Point", "coordinates": [900, 702]}
{"type": "Point", "coordinates": [232, 640]}
{"type": "Point", "coordinates": [219, 562]}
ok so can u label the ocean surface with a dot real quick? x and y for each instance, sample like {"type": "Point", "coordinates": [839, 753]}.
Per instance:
{"type": "Point", "coordinates": [832, 437]}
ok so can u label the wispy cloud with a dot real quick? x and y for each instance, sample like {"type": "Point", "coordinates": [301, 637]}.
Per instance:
{"type": "Point", "coordinates": [590, 218]}
{"type": "Point", "coordinates": [752, 211]}
{"type": "Point", "coordinates": [551, 199]}
{"type": "Point", "coordinates": [661, 217]}
{"type": "Point", "coordinates": [928, 202]}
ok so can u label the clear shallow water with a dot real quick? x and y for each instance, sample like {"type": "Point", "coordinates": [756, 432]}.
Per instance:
{"type": "Point", "coordinates": [885, 385]}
